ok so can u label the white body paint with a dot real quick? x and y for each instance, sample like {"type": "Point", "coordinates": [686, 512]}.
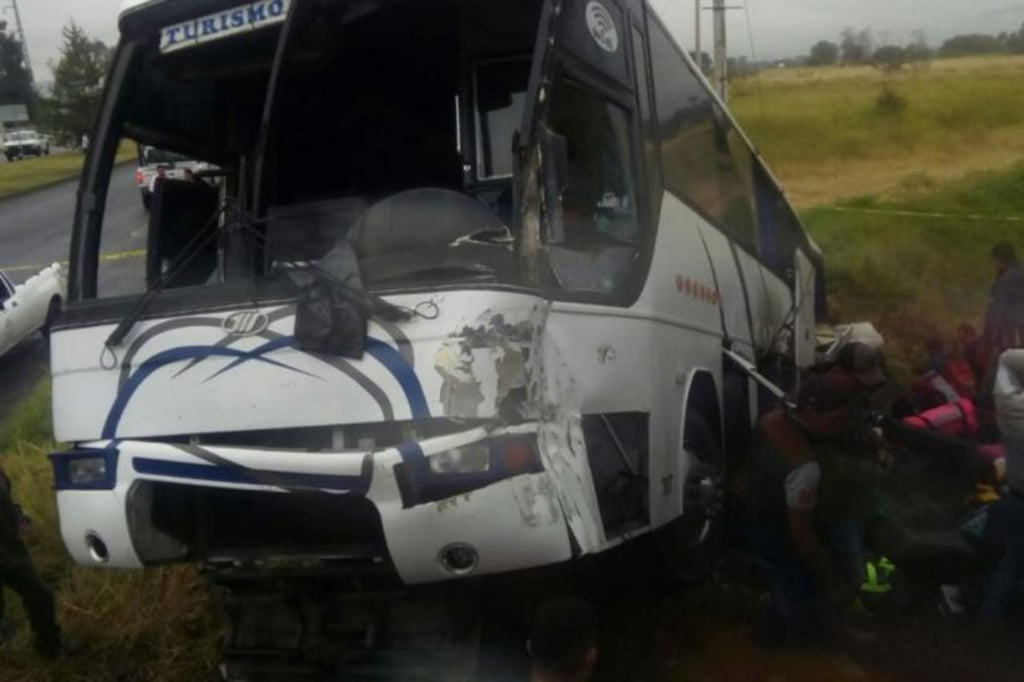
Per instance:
{"type": "Point", "coordinates": [582, 359]}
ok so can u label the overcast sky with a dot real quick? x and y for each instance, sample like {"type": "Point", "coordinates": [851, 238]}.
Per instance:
{"type": "Point", "coordinates": [780, 28]}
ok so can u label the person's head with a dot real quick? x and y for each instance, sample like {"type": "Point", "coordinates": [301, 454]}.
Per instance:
{"type": "Point", "coordinates": [823, 402]}
{"type": "Point", "coordinates": [863, 362]}
{"type": "Point", "coordinates": [161, 171]}
{"type": "Point", "coordinates": [563, 641]}
{"type": "Point", "coordinates": [190, 175]}
{"type": "Point", "coordinates": [1004, 254]}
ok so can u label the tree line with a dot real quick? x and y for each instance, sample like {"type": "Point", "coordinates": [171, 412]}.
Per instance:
{"type": "Point", "coordinates": [859, 47]}
{"type": "Point", "coordinates": [69, 109]}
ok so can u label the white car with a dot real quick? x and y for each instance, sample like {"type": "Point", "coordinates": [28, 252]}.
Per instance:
{"type": "Point", "coordinates": [22, 143]}
{"type": "Point", "coordinates": [30, 307]}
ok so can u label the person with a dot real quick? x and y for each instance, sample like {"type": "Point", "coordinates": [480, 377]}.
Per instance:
{"type": "Point", "coordinates": [161, 173]}
{"type": "Point", "coordinates": [806, 566]}
{"type": "Point", "coordinates": [18, 574]}
{"type": "Point", "coordinates": [563, 641]}
{"type": "Point", "coordinates": [1005, 524]}
{"type": "Point", "coordinates": [1004, 319]}
{"type": "Point", "coordinates": [85, 142]}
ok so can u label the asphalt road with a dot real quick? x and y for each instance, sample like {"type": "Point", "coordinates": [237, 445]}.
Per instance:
{"type": "Point", "coordinates": [35, 230]}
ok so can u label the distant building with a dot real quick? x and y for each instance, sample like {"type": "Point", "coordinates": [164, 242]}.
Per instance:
{"type": "Point", "coordinates": [12, 115]}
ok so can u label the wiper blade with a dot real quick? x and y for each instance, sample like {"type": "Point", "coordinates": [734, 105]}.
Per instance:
{"type": "Point", "coordinates": [192, 249]}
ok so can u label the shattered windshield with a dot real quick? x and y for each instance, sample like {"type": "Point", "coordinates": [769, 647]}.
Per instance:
{"type": "Point", "coordinates": [399, 175]}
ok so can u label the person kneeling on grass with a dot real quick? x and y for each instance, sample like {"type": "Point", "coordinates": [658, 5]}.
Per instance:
{"type": "Point", "coordinates": [801, 559]}
{"type": "Point", "coordinates": [17, 573]}
{"type": "Point", "coordinates": [563, 642]}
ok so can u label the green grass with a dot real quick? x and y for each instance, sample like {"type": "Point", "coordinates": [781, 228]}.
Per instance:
{"type": "Point", "coordinates": [27, 174]}
{"type": "Point", "coordinates": [812, 115]}
{"type": "Point", "coordinates": [918, 277]}
{"type": "Point", "coordinates": [828, 134]}
{"type": "Point", "coordinates": [134, 625]}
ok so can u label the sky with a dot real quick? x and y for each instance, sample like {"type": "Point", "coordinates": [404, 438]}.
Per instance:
{"type": "Point", "coordinates": [778, 28]}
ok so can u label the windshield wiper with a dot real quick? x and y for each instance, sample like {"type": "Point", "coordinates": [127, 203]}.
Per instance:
{"type": "Point", "coordinates": [192, 249]}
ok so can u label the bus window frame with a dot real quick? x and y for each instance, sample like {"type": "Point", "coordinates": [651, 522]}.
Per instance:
{"type": "Point", "coordinates": [561, 63]}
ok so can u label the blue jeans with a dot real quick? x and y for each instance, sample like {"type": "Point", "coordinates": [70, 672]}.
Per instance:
{"type": "Point", "coordinates": [790, 612]}
{"type": "Point", "coordinates": [1005, 527]}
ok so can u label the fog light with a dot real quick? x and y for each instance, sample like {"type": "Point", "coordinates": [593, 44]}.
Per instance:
{"type": "Point", "coordinates": [459, 558]}
{"type": "Point", "coordinates": [97, 548]}
{"type": "Point", "coordinates": [469, 459]}
{"type": "Point", "coordinates": [86, 470]}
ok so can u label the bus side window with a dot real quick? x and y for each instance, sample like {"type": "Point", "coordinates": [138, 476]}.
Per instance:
{"type": "Point", "coordinates": [599, 240]}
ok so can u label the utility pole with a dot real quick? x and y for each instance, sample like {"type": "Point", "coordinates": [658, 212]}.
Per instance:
{"type": "Point", "coordinates": [21, 38]}
{"type": "Point", "coordinates": [721, 55]}
{"type": "Point", "coordinates": [696, 23]}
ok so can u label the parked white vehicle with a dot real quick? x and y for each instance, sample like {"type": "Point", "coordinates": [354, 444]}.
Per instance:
{"type": "Point", "coordinates": [151, 159]}
{"type": "Point", "coordinates": [21, 143]}
{"type": "Point", "coordinates": [30, 307]}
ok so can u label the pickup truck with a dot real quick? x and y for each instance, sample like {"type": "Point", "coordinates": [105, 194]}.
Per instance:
{"type": "Point", "coordinates": [151, 158]}
{"type": "Point", "coordinates": [22, 143]}
{"type": "Point", "coordinates": [31, 306]}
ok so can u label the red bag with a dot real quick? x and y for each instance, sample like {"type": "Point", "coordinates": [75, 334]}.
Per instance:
{"type": "Point", "coordinates": [957, 418]}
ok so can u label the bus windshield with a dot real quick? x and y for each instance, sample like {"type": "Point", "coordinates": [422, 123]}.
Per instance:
{"type": "Point", "coordinates": [390, 138]}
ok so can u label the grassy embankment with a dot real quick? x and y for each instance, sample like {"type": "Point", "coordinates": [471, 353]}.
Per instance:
{"type": "Point", "coordinates": [133, 625]}
{"type": "Point", "coordinates": [27, 174]}
{"type": "Point", "coordinates": [952, 144]}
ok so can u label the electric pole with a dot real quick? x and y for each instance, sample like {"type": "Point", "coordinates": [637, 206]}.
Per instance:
{"type": "Point", "coordinates": [721, 55]}
{"type": "Point", "coordinates": [696, 23]}
{"type": "Point", "coordinates": [21, 38]}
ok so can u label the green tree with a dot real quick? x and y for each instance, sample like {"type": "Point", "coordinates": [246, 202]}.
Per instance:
{"type": "Point", "coordinates": [824, 53]}
{"type": "Point", "coordinates": [974, 43]}
{"type": "Point", "coordinates": [890, 57]}
{"type": "Point", "coordinates": [856, 47]}
{"type": "Point", "coordinates": [78, 80]}
{"type": "Point", "coordinates": [15, 81]}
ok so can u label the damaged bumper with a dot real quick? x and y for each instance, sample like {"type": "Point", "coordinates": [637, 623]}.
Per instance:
{"type": "Point", "coordinates": [469, 503]}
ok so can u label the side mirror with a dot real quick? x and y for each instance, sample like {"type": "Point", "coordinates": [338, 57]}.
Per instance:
{"type": "Point", "coordinates": [555, 157]}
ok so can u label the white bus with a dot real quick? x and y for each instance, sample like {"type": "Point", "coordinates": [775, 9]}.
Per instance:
{"type": "Point", "coordinates": [457, 307]}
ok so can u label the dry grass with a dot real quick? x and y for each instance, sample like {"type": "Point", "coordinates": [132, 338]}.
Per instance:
{"type": "Point", "coordinates": [825, 135]}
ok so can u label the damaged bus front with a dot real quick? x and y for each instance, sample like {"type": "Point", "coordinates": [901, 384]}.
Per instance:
{"type": "Point", "coordinates": [453, 305]}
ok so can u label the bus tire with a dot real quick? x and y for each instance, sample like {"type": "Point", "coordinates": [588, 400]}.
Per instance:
{"type": "Point", "coordinates": [691, 544]}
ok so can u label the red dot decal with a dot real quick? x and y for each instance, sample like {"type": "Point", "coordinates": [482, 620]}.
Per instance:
{"type": "Point", "coordinates": [679, 283]}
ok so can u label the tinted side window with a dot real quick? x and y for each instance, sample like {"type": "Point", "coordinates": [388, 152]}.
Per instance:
{"type": "Point", "coordinates": [599, 237]}
{"type": "Point", "coordinates": [736, 166]}
{"type": "Point", "coordinates": [647, 126]}
{"type": "Point", "coordinates": [704, 159]}
{"type": "Point", "coordinates": [686, 127]}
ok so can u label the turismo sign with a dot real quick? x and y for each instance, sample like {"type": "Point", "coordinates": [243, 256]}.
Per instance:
{"type": "Point", "coordinates": [223, 24]}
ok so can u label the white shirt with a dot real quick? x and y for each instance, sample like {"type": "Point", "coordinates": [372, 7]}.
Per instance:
{"type": "Point", "coordinates": [1009, 399]}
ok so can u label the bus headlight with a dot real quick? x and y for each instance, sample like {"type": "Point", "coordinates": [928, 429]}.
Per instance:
{"type": "Point", "coordinates": [87, 470]}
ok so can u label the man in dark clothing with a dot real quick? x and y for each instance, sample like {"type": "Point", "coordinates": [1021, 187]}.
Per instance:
{"type": "Point", "coordinates": [802, 562]}
{"type": "Point", "coordinates": [1004, 319]}
{"type": "Point", "coordinates": [17, 573]}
